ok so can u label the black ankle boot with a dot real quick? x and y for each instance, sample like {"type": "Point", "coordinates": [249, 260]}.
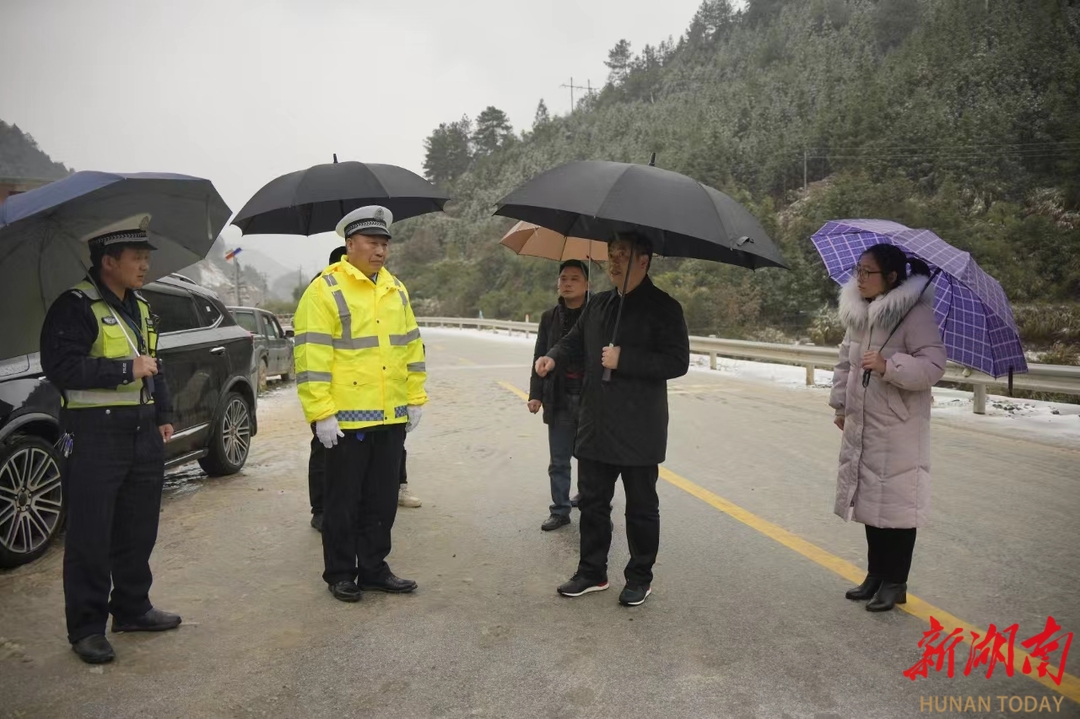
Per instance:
{"type": "Point", "coordinates": [866, 590]}
{"type": "Point", "coordinates": [888, 596]}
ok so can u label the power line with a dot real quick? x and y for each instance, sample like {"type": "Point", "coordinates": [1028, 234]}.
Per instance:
{"type": "Point", "coordinates": [588, 88]}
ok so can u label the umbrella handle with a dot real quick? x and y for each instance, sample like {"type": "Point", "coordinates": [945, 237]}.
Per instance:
{"type": "Point", "coordinates": [618, 318]}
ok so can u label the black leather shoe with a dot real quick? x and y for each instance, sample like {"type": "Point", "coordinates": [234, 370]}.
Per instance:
{"type": "Point", "coordinates": [316, 521]}
{"type": "Point", "coordinates": [94, 649]}
{"type": "Point", "coordinates": [866, 590]}
{"type": "Point", "coordinates": [346, 591]}
{"type": "Point", "coordinates": [390, 584]}
{"type": "Point", "coordinates": [554, 522]}
{"type": "Point", "coordinates": [153, 621]}
{"type": "Point", "coordinates": [888, 596]}
{"type": "Point", "coordinates": [634, 594]}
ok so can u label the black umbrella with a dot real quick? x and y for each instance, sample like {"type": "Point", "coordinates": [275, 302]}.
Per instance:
{"type": "Point", "coordinates": [680, 216]}
{"type": "Point", "coordinates": [42, 237]}
{"type": "Point", "coordinates": [314, 200]}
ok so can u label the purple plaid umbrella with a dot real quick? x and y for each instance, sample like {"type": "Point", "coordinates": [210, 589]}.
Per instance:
{"type": "Point", "coordinates": [972, 311]}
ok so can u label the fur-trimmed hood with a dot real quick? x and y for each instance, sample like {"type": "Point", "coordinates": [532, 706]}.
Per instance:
{"type": "Point", "coordinates": [885, 311]}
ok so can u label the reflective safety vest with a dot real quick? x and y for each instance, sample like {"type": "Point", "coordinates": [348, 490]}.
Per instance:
{"type": "Point", "coordinates": [357, 349]}
{"type": "Point", "coordinates": [112, 343]}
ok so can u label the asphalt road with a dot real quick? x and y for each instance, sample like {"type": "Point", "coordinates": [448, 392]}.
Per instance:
{"type": "Point", "coordinates": [747, 616]}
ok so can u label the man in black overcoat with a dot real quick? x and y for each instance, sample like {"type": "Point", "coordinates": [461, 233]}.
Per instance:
{"type": "Point", "coordinates": [622, 426]}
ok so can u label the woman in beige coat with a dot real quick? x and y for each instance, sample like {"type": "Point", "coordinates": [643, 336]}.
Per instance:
{"type": "Point", "coordinates": [882, 399]}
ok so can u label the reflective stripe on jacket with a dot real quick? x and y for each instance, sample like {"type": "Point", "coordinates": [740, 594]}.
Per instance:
{"type": "Point", "coordinates": [112, 342]}
{"type": "Point", "coordinates": [358, 351]}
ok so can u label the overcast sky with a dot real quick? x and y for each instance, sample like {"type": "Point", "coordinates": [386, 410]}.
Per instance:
{"type": "Point", "coordinates": [241, 91]}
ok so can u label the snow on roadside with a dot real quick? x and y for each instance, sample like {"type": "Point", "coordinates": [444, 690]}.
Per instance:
{"type": "Point", "coordinates": [1051, 420]}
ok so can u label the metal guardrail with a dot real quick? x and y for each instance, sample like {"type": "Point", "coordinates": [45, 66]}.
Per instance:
{"type": "Point", "coordinates": [1059, 379]}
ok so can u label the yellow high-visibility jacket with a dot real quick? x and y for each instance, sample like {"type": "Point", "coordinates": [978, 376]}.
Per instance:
{"type": "Point", "coordinates": [358, 352]}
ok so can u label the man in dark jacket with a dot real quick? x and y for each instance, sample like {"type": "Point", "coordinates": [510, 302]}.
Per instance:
{"type": "Point", "coordinates": [560, 392]}
{"type": "Point", "coordinates": [623, 422]}
{"type": "Point", "coordinates": [99, 348]}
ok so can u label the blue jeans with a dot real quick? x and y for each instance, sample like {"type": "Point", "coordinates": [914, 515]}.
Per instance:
{"type": "Point", "coordinates": [562, 434]}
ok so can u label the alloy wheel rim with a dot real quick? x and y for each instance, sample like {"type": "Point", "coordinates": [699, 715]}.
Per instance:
{"type": "Point", "coordinates": [31, 500]}
{"type": "Point", "coordinates": [236, 434]}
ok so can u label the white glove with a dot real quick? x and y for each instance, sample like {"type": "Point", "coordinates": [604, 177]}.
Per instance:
{"type": "Point", "coordinates": [414, 412]}
{"type": "Point", "coordinates": [327, 431]}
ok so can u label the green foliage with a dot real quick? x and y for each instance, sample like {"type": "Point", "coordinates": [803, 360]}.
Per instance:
{"type": "Point", "coordinates": [1047, 325]}
{"type": "Point", "coordinates": [619, 62]}
{"type": "Point", "coordinates": [493, 130]}
{"type": "Point", "coordinates": [20, 157]}
{"type": "Point", "coordinates": [280, 307]}
{"type": "Point", "coordinates": [963, 118]}
{"type": "Point", "coordinates": [448, 152]}
{"type": "Point", "coordinates": [542, 117]}
{"type": "Point", "coordinates": [1061, 353]}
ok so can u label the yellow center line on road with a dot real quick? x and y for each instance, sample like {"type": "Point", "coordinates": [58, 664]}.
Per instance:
{"type": "Point", "coordinates": [1070, 685]}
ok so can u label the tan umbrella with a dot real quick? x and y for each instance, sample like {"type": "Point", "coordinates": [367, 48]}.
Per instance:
{"type": "Point", "coordinates": [532, 240]}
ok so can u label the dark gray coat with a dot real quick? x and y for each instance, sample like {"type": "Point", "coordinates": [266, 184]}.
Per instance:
{"type": "Point", "coordinates": [624, 422]}
{"type": "Point", "coordinates": [551, 390]}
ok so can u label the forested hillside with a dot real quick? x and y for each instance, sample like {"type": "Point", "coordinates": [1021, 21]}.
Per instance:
{"type": "Point", "coordinates": [961, 116]}
{"type": "Point", "coordinates": [20, 157]}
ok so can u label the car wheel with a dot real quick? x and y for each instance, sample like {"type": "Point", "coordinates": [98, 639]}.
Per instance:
{"type": "Point", "coordinates": [262, 376]}
{"type": "Point", "coordinates": [287, 375]}
{"type": "Point", "coordinates": [231, 441]}
{"type": "Point", "coordinates": [31, 499]}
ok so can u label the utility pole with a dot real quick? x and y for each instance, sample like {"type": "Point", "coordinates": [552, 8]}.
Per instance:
{"type": "Point", "coordinates": [572, 86]}
{"type": "Point", "coordinates": [237, 282]}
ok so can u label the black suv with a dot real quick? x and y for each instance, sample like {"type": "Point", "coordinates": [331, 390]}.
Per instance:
{"type": "Point", "coordinates": [208, 364]}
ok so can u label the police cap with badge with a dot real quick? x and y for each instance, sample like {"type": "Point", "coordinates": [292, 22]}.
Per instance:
{"type": "Point", "coordinates": [372, 220]}
{"type": "Point", "coordinates": [129, 232]}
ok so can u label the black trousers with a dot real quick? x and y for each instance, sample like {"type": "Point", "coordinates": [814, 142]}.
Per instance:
{"type": "Point", "coordinates": [889, 552]}
{"type": "Point", "coordinates": [316, 473]}
{"type": "Point", "coordinates": [361, 488]}
{"type": "Point", "coordinates": [112, 488]}
{"type": "Point", "coordinates": [596, 482]}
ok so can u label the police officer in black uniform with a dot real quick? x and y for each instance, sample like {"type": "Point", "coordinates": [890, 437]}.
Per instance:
{"type": "Point", "coordinates": [98, 347]}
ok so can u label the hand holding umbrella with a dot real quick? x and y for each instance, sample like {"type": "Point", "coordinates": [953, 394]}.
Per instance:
{"type": "Point", "coordinates": [594, 200]}
{"type": "Point", "coordinates": [610, 357]}
{"type": "Point", "coordinates": [973, 312]}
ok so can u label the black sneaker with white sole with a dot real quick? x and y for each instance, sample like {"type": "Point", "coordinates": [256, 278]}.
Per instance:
{"type": "Point", "coordinates": [634, 594]}
{"type": "Point", "coordinates": [579, 585]}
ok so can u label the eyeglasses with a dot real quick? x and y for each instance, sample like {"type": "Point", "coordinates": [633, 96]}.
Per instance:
{"type": "Point", "coordinates": [864, 273]}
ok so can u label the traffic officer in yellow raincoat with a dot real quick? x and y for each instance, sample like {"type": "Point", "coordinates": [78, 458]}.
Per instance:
{"type": "Point", "coordinates": [360, 375]}
{"type": "Point", "coordinates": [99, 348]}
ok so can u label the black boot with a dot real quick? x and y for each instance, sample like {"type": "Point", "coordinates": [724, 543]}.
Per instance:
{"type": "Point", "coordinates": [888, 596]}
{"type": "Point", "coordinates": [866, 590]}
